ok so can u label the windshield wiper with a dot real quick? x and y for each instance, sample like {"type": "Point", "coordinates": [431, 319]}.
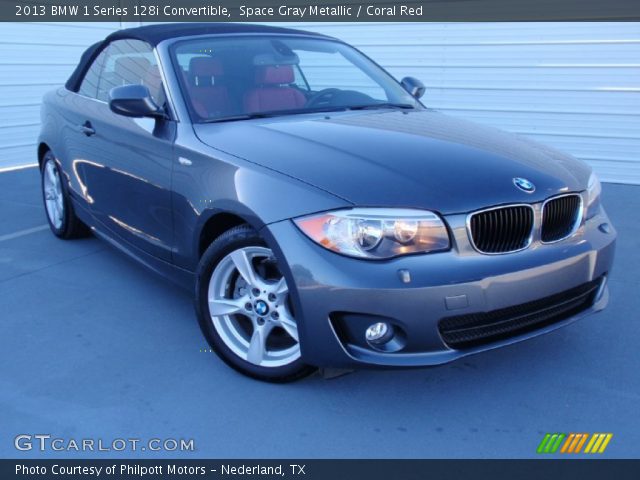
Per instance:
{"type": "Point", "coordinates": [280, 113]}
{"type": "Point", "coordinates": [234, 118]}
{"type": "Point", "coordinates": [272, 113]}
{"type": "Point", "coordinates": [374, 106]}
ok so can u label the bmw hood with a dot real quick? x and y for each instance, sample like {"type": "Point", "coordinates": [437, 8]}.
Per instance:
{"type": "Point", "coordinates": [387, 158]}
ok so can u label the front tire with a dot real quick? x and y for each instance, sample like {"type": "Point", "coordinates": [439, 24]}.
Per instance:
{"type": "Point", "coordinates": [244, 311]}
{"type": "Point", "coordinates": [60, 213]}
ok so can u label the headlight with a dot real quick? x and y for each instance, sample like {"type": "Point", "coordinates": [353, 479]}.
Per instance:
{"type": "Point", "coordinates": [594, 189]}
{"type": "Point", "coordinates": [377, 232]}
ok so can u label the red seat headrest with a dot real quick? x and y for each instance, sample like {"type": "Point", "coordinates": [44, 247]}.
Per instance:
{"type": "Point", "coordinates": [274, 74]}
{"type": "Point", "coordinates": [205, 67]}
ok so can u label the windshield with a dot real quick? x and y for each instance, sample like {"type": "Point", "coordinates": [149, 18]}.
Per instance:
{"type": "Point", "coordinates": [236, 78]}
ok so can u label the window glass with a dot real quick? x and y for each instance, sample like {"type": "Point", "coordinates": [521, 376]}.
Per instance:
{"type": "Point", "coordinates": [89, 85]}
{"type": "Point", "coordinates": [333, 70]}
{"type": "Point", "coordinates": [299, 79]}
{"type": "Point", "coordinates": [130, 62]}
{"type": "Point", "coordinates": [255, 75]}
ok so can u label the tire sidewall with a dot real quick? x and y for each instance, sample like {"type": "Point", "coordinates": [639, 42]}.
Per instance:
{"type": "Point", "coordinates": [234, 239]}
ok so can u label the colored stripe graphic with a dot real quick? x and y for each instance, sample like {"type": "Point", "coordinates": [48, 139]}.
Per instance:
{"type": "Point", "coordinates": [605, 443]}
{"type": "Point", "coordinates": [556, 445]}
{"type": "Point", "coordinates": [551, 442]}
{"type": "Point", "coordinates": [581, 443]}
{"type": "Point", "coordinates": [565, 447]}
{"type": "Point", "coordinates": [576, 439]}
{"type": "Point", "coordinates": [543, 443]}
{"type": "Point", "coordinates": [598, 443]}
{"type": "Point", "coordinates": [591, 442]}
{"type": "Point", "coordinates": [573, 443]}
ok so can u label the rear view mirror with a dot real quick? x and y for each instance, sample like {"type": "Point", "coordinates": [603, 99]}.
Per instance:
{"type": "Point", "coordinates": [134, 101]}
{"type": "Point", "coordinates": [414, 86]}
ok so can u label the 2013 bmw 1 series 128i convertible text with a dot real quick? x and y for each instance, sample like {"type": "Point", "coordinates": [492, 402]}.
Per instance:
{"type": "Point", "coordinates": [322, 216]}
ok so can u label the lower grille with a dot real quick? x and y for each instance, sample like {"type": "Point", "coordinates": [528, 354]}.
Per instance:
{"type": "Point", "coordinates": [502, 229]}
{"type": "Point", "coordinates": [560, 217]}
{"type": "Point", "coordinates": [474, 329]}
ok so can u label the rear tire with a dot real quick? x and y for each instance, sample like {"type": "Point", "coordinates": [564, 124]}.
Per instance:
{"type": "Point", "coordinates": [59, 210]}
{"type": "Point", "coordinates": [244, 311]}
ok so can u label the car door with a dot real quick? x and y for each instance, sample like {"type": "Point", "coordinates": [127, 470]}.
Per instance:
{"type": "Point", "coordinates": [126, 163]}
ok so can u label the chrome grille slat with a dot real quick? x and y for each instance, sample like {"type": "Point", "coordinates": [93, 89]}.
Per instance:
{"type": "Point", "coordinates": [560, 217]}
{"type": "Point", "coordinates": [501, 229]}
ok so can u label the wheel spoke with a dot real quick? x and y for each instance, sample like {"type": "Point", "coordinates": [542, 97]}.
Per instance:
{"type": "Point", "coordinates": [289, 325]}
{"type": "Point", "coordinates": [55, 213]}
{"type": "Point", "coordinates": [226, 306]}
{"type": "Point", "coordinates": [243, 263]}
{"type": "Point", "coordinates": [50, 174]}
{"type": "Point", "coordinates": [258, 344]}
{"type": "Point", "coordinates": [281, 287]}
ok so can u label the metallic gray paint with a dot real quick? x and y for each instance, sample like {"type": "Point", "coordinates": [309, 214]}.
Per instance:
{"type": "Point", "coordinates": [418, 159]}
{"type": "Point", "coordinates": [150, 186]}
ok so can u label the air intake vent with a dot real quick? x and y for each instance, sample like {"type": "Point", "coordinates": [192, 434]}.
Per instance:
{"type": "Point", "coordinates": [502, 229]}
{"type": "Point", "coordinates": [474, 329]}
{"type": "Point", "coordinates": [560, 217]}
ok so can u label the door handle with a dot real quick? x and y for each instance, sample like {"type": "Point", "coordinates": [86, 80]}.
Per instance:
{"type": "Point", "coordinates": [87, 129]}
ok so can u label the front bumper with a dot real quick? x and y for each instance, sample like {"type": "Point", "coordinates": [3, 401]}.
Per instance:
{"type": "Point", "coordinates": [333, 293]}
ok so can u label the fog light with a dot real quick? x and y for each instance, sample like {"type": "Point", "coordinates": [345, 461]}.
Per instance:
{"type": "Point", "coordinates": [379, 333]}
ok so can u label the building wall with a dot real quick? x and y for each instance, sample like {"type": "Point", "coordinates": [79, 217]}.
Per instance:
{"type": "Point", "coordinates": [35, 58]}
{"type": "Point", "coordinates": [575, 86]}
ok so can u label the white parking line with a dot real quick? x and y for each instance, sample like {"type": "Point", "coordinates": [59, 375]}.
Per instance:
{"type": "Point", "coordinates": [22, 233]}
{"type": "Point", "coordinates": [19, 167]}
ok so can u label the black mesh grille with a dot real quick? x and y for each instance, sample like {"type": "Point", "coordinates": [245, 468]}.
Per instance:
{"type": "Point", "coordinates": [502, 230]}
{"type": "Point", "coordinates": [560, 217]}
{"type": "Point", "coordinates": [479, 328]}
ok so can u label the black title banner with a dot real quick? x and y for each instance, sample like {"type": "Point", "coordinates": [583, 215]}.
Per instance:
{"type": "Point", "coordinates": [321, 11]}
{"type": "Point", "coordinates": [321, 469]}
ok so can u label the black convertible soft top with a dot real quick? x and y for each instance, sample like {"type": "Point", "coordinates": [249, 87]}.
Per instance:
{"type": "Point", "coordinates": [154, 34]}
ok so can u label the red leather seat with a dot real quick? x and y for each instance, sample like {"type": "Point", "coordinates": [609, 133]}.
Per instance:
{"type": "Point", "coordinates": [208, 97]}
{"type": "Point", "coordinates": [273, 90]}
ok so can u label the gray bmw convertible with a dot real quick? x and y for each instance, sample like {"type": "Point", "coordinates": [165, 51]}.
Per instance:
{"type": "Point", "coordinates": [321, 215]}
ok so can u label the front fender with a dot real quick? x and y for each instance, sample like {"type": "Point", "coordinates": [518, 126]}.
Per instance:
{"type": "Point", "coordinates": [207, 182]}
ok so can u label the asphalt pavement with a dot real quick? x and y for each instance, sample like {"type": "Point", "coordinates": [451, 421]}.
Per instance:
{"type": "Point", "coordinates": [93, 345]}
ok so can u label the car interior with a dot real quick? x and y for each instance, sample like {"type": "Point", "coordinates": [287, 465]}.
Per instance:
{"type": "Point", "coordinates": [259, 83]}
{"type": "Point", "coordinates": [239, 80]}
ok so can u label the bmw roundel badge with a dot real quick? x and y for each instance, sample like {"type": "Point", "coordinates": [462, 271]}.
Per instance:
{"type": "Point", "coordinates": [524, 185]}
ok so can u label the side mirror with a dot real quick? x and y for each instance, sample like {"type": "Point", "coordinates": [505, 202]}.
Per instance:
{"type": "Point", "coordinates": [134, 101]}
{"type": "Point", "coordinates": [414, 86]}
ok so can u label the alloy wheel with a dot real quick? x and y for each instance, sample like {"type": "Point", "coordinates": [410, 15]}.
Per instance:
{"type": "Point", "coordinates": [249, 306]}
{"type": "Point", "coordinates": [54, 199]}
